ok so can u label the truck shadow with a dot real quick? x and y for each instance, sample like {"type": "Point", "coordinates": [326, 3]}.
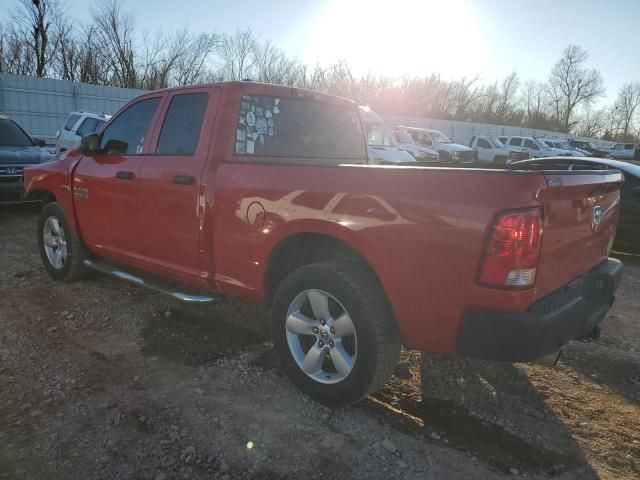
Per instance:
{"type": "Point", "coordinates": [488, 410]}
{"type": "Point", "coordinates": [618, 373]}
{"type": "Point", "coordinates": [196, 336]}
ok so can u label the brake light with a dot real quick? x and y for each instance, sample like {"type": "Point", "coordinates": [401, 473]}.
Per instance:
{"type": "Point", "coordinates": [513, 250]}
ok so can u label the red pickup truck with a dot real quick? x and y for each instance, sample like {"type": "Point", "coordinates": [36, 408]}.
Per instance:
{"type": "Point", "coordinates": [266, 193]}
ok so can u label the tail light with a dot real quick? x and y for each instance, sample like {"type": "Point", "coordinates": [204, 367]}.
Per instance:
{"type": "Point", "coordinates": [513, 250]}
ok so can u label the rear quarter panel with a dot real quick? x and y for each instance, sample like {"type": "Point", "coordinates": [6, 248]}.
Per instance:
{"type": "Point", "coordinates": [421, 229]}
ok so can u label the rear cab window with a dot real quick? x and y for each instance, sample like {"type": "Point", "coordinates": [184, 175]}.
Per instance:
{"type": "Point", "coordinates": [298, 128]}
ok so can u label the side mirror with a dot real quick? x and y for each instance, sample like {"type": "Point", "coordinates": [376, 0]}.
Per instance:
{"type": "Point", "coordinates": [39, 142]}
{"type": "Point", "coordinates": [90, 143]}
{"type": "Point", "coordinates": [116, 147]}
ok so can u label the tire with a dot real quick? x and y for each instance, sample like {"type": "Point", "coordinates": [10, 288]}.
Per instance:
{"type": "Point", "coordinates": [366, 358]}
{"type": "Point", "coordinates": [53, 224]}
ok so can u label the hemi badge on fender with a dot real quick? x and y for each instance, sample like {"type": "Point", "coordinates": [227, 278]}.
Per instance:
{"type": "Point", "coordinates": [80, 192]}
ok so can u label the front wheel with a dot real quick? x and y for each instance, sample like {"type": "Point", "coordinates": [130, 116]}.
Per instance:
{"type": "Point", "coordinates": [62, 251]}
{"type": "Point", "coordinates": [334, 333]}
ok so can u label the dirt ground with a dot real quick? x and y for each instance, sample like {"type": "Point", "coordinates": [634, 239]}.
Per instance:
{"type": "Point", "coordinates": [103, 380]}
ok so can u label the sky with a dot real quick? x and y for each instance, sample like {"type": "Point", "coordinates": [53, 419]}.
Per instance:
{"type": "Point", "coordinates": [455, 38]}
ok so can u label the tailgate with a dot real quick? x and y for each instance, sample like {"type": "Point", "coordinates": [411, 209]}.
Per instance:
{"type": "Point", "coordinates": [581, 210]}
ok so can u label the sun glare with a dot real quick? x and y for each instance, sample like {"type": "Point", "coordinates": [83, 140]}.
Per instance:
{"type": "Point", "coordinates": [415, 37]}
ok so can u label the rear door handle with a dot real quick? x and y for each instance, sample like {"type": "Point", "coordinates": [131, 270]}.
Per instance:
{"type": "Point", "coordinates": [184, 179]}
{"type": "Point", "coordinates": [125, 175]}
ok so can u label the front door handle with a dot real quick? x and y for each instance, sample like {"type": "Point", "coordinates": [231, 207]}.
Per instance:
{"type": "Point", "coordinates": [184, 179]}
{"type": "Point", "coordinates": [122, 175]}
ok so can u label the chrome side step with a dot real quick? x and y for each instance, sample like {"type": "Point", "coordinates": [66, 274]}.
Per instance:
{"type": "Point", "coordinates": [114, 271]}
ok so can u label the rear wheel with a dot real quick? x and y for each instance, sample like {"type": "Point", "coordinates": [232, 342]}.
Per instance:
{"type": "Point", "coordinates": [61, 250]}
{"type": "Point", "coordinates": [334, 333]}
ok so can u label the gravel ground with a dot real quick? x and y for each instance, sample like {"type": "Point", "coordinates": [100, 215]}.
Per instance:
{"type": "Point", "coordinates": [99, 379]}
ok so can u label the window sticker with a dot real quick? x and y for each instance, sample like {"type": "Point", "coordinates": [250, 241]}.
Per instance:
{"type": "Point", "coordinates": [251, 119]}
{"type": "Point", "coordinates": [298, 128]}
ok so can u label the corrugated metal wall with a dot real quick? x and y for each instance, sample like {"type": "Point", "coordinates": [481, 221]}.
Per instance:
{"type": "Point", "coordinates": [42, 105]}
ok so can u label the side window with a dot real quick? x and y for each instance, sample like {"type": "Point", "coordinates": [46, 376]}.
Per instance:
{"type": "Point", "coordinates": [482, 143]}
{"type": "Point", "coordinates": [71, 122]}
{"type": "Point", "coordinates": [517, 141]}
{"type": "Point", "coordinates": [88, 126]}
{"type": "Point", "coordinates": [528, 143]}
{"type": "Point", "coordinates": [503, 140]}
{"type": "Point", "coordinates": [298, 127]}
{"type": "Point", "coordinates": [99, 125]}
{"type": "Point", "coordinates": [182, 125]}
{"type": "Point", "coordinates": [126, 134]}
{"type": "Point", "coordinates": [628, 146]}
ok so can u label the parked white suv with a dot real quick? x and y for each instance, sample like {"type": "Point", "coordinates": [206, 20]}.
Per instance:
{"type": "Point", "coordinates": [534, 146]}
{"type": "Point", "coordinates": [78, 124]}
{"type": "Point", "coordinates": [493, 150]}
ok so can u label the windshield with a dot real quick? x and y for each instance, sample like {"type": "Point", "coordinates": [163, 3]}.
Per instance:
{"type": "Point", "coordinates": [402, 137]}
{"type": "Point", "coordinates": [379, 136]}
{"type": "Point", "coordinates": [496, 143]}
{"type": "Point", "coordinates": [11, 135]}
{"type": "Point", "coordinates": [439, 137]}
{"type": "Point", "coordinates": [539, 143]}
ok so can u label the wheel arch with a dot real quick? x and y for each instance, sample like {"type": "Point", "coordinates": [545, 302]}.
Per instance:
{"type": "Point", "coordinates": [305, 248]}
{"type": "Point", "coordinates": [42, 194]}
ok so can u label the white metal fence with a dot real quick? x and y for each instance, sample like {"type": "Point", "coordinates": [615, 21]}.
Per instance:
{"type": "Point", "coordinates": [42, 105]}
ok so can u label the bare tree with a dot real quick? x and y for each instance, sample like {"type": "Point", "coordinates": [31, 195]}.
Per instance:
{"type": "Point", "coordinates": [571, 85]}
{"type": "Point", "coordinates": [508, 92]}
{"type": "Point", "coordinates": [236, 55]}
{"type": "Point", "coordinates": [193, 66]}
{"type": "Point", "coordinates": [113, 41]}
{"type": "Point", "coordinates": [272, 65]}
{"type": "Point", "coordinates": [465, 96]}
{"type": "Point", "coordinates": [626, 108]}
{"type": "Point", "coordinates": [35, 22]}
{"type": "Point", "coordinates": [591, 123]}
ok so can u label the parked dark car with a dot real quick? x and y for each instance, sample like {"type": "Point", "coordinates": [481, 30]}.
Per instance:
{"type": "Point", "coordinates": [17, 150]}
{"type": "Point", "coordinates": [628, 234]}
{"type": "Point", "coordinates": [589, 147]}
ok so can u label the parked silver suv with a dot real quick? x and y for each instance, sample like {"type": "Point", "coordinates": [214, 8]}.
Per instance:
{"type": "Point", "coordinates": [78, 124]}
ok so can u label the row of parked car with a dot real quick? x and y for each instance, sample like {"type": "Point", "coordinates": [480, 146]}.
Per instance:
{"type": "Point", "coordinates": [407, 144]}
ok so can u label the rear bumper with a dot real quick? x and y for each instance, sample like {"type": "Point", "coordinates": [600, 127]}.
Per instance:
{"type": "Point", "coordinates": [566, 314]}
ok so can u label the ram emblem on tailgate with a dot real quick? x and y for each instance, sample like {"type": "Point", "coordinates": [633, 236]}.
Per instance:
{"type": "Point", "coordinates": [596, 218]}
